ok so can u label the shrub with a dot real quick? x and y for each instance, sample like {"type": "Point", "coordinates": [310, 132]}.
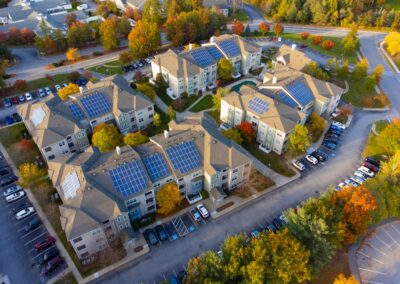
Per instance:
{"type": "Point", "coordinates": [97, 53]}
{"type": "Point", "coordinates": [20, 85]}
{"type": "Point", "coordinates": [184, 95]}
{"type": "Point", "coordinates": [317, 40]}
{"type": "Point", "coordinates": [305, 35]}
{"type": "Point", "coordinates": [73, 76]}
{"type": "Point", "coordinates": [328, 44]}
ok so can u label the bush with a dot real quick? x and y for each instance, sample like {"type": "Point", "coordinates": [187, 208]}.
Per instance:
{"type": "Point", "coordinates": [317, 40]}
{"type": "Point", "coordinates": [97, 53]}
{"type": "Point", "coordinates": [20, 85]}
{"type": "Point", "coordinates": [305, 35]}
{"type": "Point", "coordinates": [328, 44]}
{"type": "Point", "coordinates": [184, 95]}
{"type": "Point", "coordinates": [73, 76]}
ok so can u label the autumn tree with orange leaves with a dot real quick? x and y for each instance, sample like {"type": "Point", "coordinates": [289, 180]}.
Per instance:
{"type": "Point", "coordinates": [247, 131]}
{"type": "Point", "coordinates": [237, 27]}
{"type": "Point", "coordinates": [144, 39]}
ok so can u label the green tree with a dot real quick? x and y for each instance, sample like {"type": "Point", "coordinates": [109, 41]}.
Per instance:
{"type": "Point", "coordinates": [147, 90]}
{"type": "Point", "coordinates": [134, 139]}
{"type": "Point", "coordinates": [217, 98]}
{"type": "Point", "coordinates": [225, 69]}
{"type": "Point", "coordinates": [389, 137]}
{"type": "Point", "coordinates": [343, 71]}
{"type": "Point", "coordinates": [391, 169]}
{"type": "Point", "coordinates": [168, 198]}
{"type": "Point", "coordinates": [171, 113]}
{"type": "Point", "coordinates": [152, 11]}
{"type": "Point", "coordinates": [234, 134]}
{"type": "Point", "coordinates": [157, 120]}
{"type": "Point", "coordinates": [377, 73]}
{"type": "Point", "coordinates": [123, 26]}
{"type": "Point", "coordinates": [351, 42]}
{"type": "Point", "coordinates": [144, 39]}
{"type": "Point", "coordinates": [299, 140]}
{"type": "Point", "coordinates": [30, 174]}
{"type": "Point", "coordinates": [108, 33]}
{"type": "Point", "coordinates": [313, 70]}
{"type": "Point", "coordinates": [207, 268]}
{"type": "Point", "coordinates": [106, 137]}
{"type": "Point", "coordinates": [316, 124]}
{"type": "Point", "coordinates": [235, 255]}
{"type": "Point", "coordinates": [361, 69]}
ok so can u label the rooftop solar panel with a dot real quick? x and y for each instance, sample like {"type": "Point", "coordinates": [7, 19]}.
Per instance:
{"type": "Point", "coordinates": [258, 105]}
{"type": "Point", "coordinates": [156, 166]}
{"type": "Point", "coordinates": [202, 57]}
{"type": "Point", "coordinates": [184, 156]}
{"type": "Point", "coordinates": [96, 104]}
{"type": "Point", "coordinates": [215, 53]}
{"type": "Point", "coordinates": [129, 178]}
{"type": "Point", "coordinates": [283, 97]}
{"type": "Point", "coordinates": [76, 110]}
{"type": "Point", "coordinates": [300, 92]}
{"type": "Point", "coordinates": [229, 47]}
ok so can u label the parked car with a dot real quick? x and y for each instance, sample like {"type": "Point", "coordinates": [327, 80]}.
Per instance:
{"type": "Point", "coordinates": [12, 190]}
{"type": "Point", "coordinates": [42, 93]}
{"type": "Point", "coordinates": [16, 117]}
{"type": "Point", "coordinates": [203, 211]}
{"type": "Point", "coordinates": [64, 85]}
{"type": "Point", "coordinates": [318, 156]}
{"type": "Point", "coordinates": [8, 120]}
{"type": "Point", "coordinates": [48, 255]}
{"type": "Point", "coordinates": [33, 224]}
{"type": "Point", "coordinates": [51, 265]}
{"type": "Point", "coordinates": [14, 100]}
{"type": "Point", "coordinates": [48, 91]}
{"type": "Point", "coordinates": [311, 159]}
{"type": "Point", "coordinates": [339, 125]}
{"type": "Point", "coordinates": [15, 196]}
{"type": "Point", "coordinates": [361, 175]}
{"type": "Point", "coordinates": [20, 206]}
{"type": "Point", "coordinates": [331, 140]}
{"type": "Point", "coordinates": [182, 275]}
{"type": "Point", "coordinates": [58, 87]}
{"type": "Point", "coordinates": [357, 179]}
{"type": "Point", "coordinates": [271, 228]}
{"type": "Point", "coordinates": [151, 237]}
{"type": "Point", "coordinates": [44, 244]}
{"type": "Point", "coordinates": [372, 167]}
{"type": "Point", "coordinates": [351, 182]}
{"type": "Point", "coordinates": [8, 180]}
{"type": "Point", "coordinates": [24, 213]}
{"type": "Point", "coordinates": [195, 214]}
{"type": "Point", "coordinates": [21, 98]}
{"type": "Point", "coordinates": [7, 102]}
{"type": "Point", "coordinates": [28, 96]}
{"type": "Point", "coordinates": [255, 233]}
{"type": "Point", "coordinates": [161, 233]}
{"type": "Point", "coordinates": [366, 171]}
{"type": "Point", "coordinates": [4, 171]}
{"type": "Point", "coordinates": [299, 165]}
{"type": "Point", "coordinates": [333, 132]}
{"type": "Point", "coordinates": [329, 145]}
{"type": "Point", "coordinates": [373, 161]}
{"type": "Point", "coordinates": [278, 223]}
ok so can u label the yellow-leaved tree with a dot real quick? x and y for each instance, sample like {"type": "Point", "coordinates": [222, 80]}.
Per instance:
{"type": "Point", "coordinates": [393, 43]}
{"type": "Point", "coordinates": [341, 279]}
{"type": "Point", "coordinates": [30, 174]}
{"type": "Point", "coordinates": [106, 137]}
{"type": "Point", "coordinates": [68, 90]}
{"type": "Point", "coordinates": [168, 198]}
{"type": "Point", "coordinates": [72, 54]}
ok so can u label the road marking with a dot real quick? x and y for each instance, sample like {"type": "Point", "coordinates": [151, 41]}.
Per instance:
{"type": "Point", "coordinates": [394, 228]}
{"type": "Point", "coordinates": [44, 233]}
{"type": "Point", "coordinates": [372, 246]}
{"type": "Point", "coordinates": [43, 252]}
{"type": "Point", "coordinates": [24, 219]}
{"type": "Point", "coordinates": [370, 257]}
{"type": "Point", "coordinates": [373, 282]}
{"type": "Point", "coordinates": [382, 241]}
{"type": "Point", "coordinates": [370, 270]}
{"type": "Point", "coordinates": [390, 236]}
{"type": "Point", "coordinates": [30, 232]}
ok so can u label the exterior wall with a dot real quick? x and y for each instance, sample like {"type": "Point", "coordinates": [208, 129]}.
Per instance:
{"type": "Point", "coordinates": [81, 139]}
{"type": "Point", "coordinates": [144, 117]}
{"type": "Point", "coordinates": [238, 176]}
{"type": "Point", "coordinates": [249, 61]}
{"type": "Point", "coordinates": [333, 103]}
{"type": "Point", "coordinates": [211, 74]}
{"type": "Point", "coordinates": [55, 150]}
{"type": "Point", "coordinates": [102, 119]}
{"type": "Point", "coordinates": [90, 243]}
{"type": "Point", "coordinates": [230, 114]}
{"type": "Point", "coordinates": [185, 183]}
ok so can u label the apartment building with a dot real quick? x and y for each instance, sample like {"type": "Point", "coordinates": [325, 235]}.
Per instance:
{"type": "Point", "coordinates": [272, 119]}
{"type": "Point", "coordinates": [103, 193]}
{"type": "Point", "coordinates": [196, 69]}
{"type": "Point", "coordinates": [61, 127]}
{"type": "Point", "coordinates": [290, 56]}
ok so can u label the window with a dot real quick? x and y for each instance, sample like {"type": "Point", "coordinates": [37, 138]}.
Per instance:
{"type": "Point", "coordinates": [132, 119]}
{"type": "Point", "coordinates": [148, 193]}
{"type": "Point", "coordinates": [181, 186]}
{"type": "Point", "coordinates": [125, 217]}
{"type": "Point", "coordinates": [150, 116]}
{"type": "Point", "coordinates": [150, 108]}
{"type": "Point", "coordinates": [141, 120]}
{"type": "Point", "coordinates": [235, 171]}
{"type": "Point", "coordinates": [77, 240]}
{"type": "Point", "coordinates": [61, 143]}
{"type": "Point", "coordinates": [86, 254]}
{"type": "Point", "coordinates": [48, 149]}
{"type": "Point", "coordinates": [151, 208]}
{"type": "Point", "coordinates": [81, 247]}
{"type": "Point", "coordinates": [150, 200]}
{"type": "Point", "coordinates": [70, 144]}
{"type": "Point", "coordinates": [51, 157]}
{"type": "Point", "coordinates": [224, 178]}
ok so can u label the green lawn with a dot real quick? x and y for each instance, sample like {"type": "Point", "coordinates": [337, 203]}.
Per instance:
{"type": "Point", "coordinates": [394, 4]}
{"type": "Point", "coordinates": [271, 160]}
{"type": "Point", "coordinates": [183, 104]}
{"type": "Point", "coordinates": [67, 279]}
{"type": "Point", "coordinates": [240, 15]}
{"type": "Point", "coordinates": [215, 115]}
{"type": "Point", "coordinates": [205, 103]}
{"type": "Point", "coordinates": [106, 70]}
{"type": "Point", "coordinates": [380, 125]}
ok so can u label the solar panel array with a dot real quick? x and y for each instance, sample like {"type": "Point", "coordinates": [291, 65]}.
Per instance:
{"type": "Point", "coordinates": [96, 104]}
{"type": "Point", "coordinates": [229, 47]}
{"type": "Point", "coordinates": [202, 57]}
{"type": "Point", "coordinates": [283, 97]}
{"type": "Point", "coordinates": [300, 92]}
{"type": "Point", "coordinates": [215, 53]}
{"type": "Point", "coordinates": [156, 166]}
{"type": "Point", "coordinates": [129, 178]}
{"type": "Point", "coordinates": [76, 110]}
{"type": "Point", "coordinates": [258, 105]}
{"type": "Point", "coordinates": [184, 156]}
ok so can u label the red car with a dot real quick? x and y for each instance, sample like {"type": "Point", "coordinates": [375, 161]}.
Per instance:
{"type": "Point", "coordinates": [51, 265]}
{"type": "Point", "coordinates": [42, 245]}
{"type": "Point", "coordinates": [371, 167]}
{"type": "Point", "coordinates": [14, 100]}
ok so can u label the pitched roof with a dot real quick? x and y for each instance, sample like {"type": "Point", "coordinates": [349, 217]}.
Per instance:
{"type": "Point", "coordinates": [292, 57]}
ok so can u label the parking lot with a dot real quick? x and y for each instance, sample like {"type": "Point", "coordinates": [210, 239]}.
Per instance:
{"type": "Point", "coordinates": [29, 235]}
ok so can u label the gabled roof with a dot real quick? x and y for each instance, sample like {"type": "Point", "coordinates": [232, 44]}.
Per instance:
{"type": "Point", "coordinates": [291, 57]}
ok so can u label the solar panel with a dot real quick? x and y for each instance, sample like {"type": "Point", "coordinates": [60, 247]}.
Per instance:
{"type": "Point", "coordinates": [184, 156]}
{"type": "Point", "coordinates": [215, 53]}
{"type": "Point", "coordinates": [75, 110]}
{"type": "Point", "coordinates": [96, 104]}
{"type": "Point", "coordinates": [229, 47]}
{"type": "Point", "coordinates": [300, 92]}
{"type": "Point", "coordinates": [156, 166]}
{"type": "Point", "coordinates": [283, 97]}
{"type": "Point", "coordinates": [202, 57]}
{"type": "Point", "coordinates": [258, 105]}
{"type": "Point", "coordinates": [129, 178]}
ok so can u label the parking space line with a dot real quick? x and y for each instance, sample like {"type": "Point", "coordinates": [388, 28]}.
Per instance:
{"type": "Point", "coordinates": [390, 236]}
{"type": "Point", "coordinates": [374, 271]}
{"type": "Point", "coordinates": [24, 219]}
{"type": "Point", "coordinates": [42, 252]}
{"type": "Point", "coordinates": [372, 246]}
{"type": "Point", "coordinates": [394, 228]}
{"type": "Point", "coordinates": [27, 234]}
{"type": "Point", "coordinates": [382, 241]}
{"type": "Point", "coordinates": [44, 233]}
{"type": "Point", "coordinates": [370, 257]}
{"type": "Point", "coordinates": [373, 282]}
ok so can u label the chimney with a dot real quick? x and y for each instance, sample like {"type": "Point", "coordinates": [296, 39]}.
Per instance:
{"type": "Point", "coordinates": [81, 89]}
{"type": "Point", "coordinates": [293, 46]}
{"type": "Point", "coordinates": [190, 46]}
{"type": "Point", "coordinates": [212, 39]}
{"type": "Point", "coordinates": [166, 134]}
{"type": "Point", "coordinates": [274, 80]}
{"type": "Point", "coordinates": [118, 150]}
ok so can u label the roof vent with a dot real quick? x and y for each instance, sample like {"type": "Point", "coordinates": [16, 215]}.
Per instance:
{"type": "Point", "coordinates": [89, 188]}
{"type": "Point", "coordinates": [293, 47]}
{"type": "Point", "coordinates": [118, 150]}
{"type": "Point", "coordinates": [274, 80]}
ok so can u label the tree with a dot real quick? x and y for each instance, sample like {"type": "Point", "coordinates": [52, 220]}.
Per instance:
{"type": "Point", "coordinates": [264, 28]}
{"type": "Point", "coordinates": [72, 54]}
{"type": "Point", "coordinates": [313, 70]}
{"type": "Point", "coordinates": [20, 85]}
{"type": "Point", "coordinates": [147, 90]}
{"type": "Point", "coordinates": [105, 8]}
{"type": "Point", "coordinates": [278, 29]}
{"type": "Point", "coordinates": [341, 279]}
{"type": "Point", "coordinates": [30, 174]}
{"type": "Point", "coordinates": [125, 57]}
{"type": "Point", "coordinates": [129, 13]}
{"type": "Point", "coordinates": [106, 137]}
{"type": "Point", "coordinates": [73, 76]}
{"type": "Point", "coordinates": [157, 120]}
{"type": "Point", "coordinates": [144, 39]}
{"type": "Point", "coordinates": [135, 139]}
{"type": "Point", "coordinates": [207, 268]}
{"type": "Point", "coordinates": [221, 92]}
{"type": "Point", "coordinates": [316, 125]}
{"type": "Point", "coordinates": [233, 134]}
{"type": "Point", "coordinates": [87, 74]}
{"type": "Point", "coordinates": [328, 44]}
{"type": "Point", "coordinates": [343, 71]}
{"type": "Point", "coordinates": [317, 39]}
{"type": "Point", "coordinates": [168, 198]}
{"type": "Point", "coordinates": [278, 258]}
{"type": "Point", "coordinates": [389, 137]}
{"type": "Point", "coordinates": [152, 11]}
{"type": "Point", "coordinates": [108, 33]}
{"type": "Point", "coordinates": [377, 73]}
{"type": "Point", "coordinates": [26, 36]}
{"type": "Point", "coordinates": [299, 140]}
{"type": "Point", "coordinates": [393, 43]}
{"type": "Point", "coordinates": [5, 53]}
{"type": "Point", "coordinates": [237, 27]}
{"type": "Point", "coordinates": [123, 26]}
{"type": "Point", "coordinates": [361, 69]}
{"type": "Point", "coordinates": [225, 69]}
{"type": "Point", "coordinates": [236, 255]}
{"type": "Point", "coordinates": [70, 89]}
{"type": "Point", "coordinates": [171, 113]}
{"type": "Point", "coordinates": [247, 131]}
{"type": "Point", "coordinates": [351, 42]}
{"type": "Point", "coordinates": [304, 35]}
{"type": "Point", "coordinates": [70, 18]}
{"type": "Point", "coordinates": [391, 169]}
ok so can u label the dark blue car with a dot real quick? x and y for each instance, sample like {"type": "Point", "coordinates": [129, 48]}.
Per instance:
{"type": "Point", "coordinates": [330, 145]}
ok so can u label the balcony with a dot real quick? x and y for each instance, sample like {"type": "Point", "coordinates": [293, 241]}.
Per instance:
{"type": "Point", "coordinates": [193, 198]}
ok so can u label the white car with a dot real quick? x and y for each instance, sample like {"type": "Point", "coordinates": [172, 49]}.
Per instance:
{"type": "Point", "coordinates": [360, 174]}
{"type": "Point", "coordinates": [42, 93]}
{"type": "Point", "coordinates": [12, 190]}
{"type": "Point", "coordinates": [195, 214]}
{"type": "Point", "coordinates": [366, 171]}
{"type": "Point", "coordinates": [299, 165]}
{"type": "Point", "coordinates": [28, 96]}
{"type": "Point", "coordinates": [48, 91]}
{"type": "Point", "coordinates": [58, 87]}
{"type": "Point", "coordinates": [25, 213]}
{"type": "Point", "coordinates": [312, 159]}
{"type": "Point", "coordinates": [15, 196]}
{"type": "Point", "coordinates": [339, 125]}
{"type": "Point", "coordinates": [203, 211]}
